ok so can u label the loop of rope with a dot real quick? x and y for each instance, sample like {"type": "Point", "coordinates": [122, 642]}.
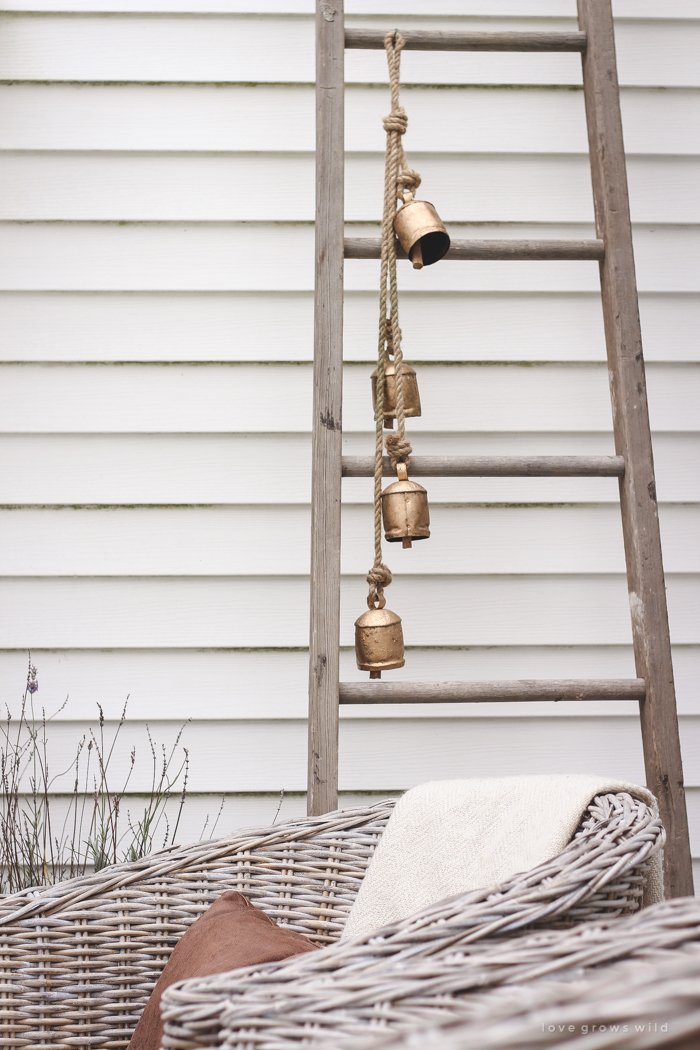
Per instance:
{"type": "Point", "coordinates": [378, 577]}
{"type": "Point", "coordinates": [399, 449]}
{"type": "Point", "coordinates": [399, 179]}
{"type": "Point", "coordinates": [408, 181]}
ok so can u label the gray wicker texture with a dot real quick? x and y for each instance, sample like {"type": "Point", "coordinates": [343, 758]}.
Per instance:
{"type": "Point", "coordinates": [396, 977]}
{"type": "Point", "coordinates": [652, 999]}
{"type": "Point", "coordinates": [80, 959]}
{"type": "Point", "coordinates": [487, 993]}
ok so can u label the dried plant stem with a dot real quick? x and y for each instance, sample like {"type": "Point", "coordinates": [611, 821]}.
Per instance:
{"type": "Point", "coordinates": [32, 852]}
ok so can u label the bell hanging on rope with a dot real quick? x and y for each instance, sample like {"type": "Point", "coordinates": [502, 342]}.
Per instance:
{"type": "Point", "coordinates": [405, 510]}
{"type": "Point", "coordinates": [378, 641]}
{"type": "Point", "coordinates": [421, 232]}
{"type": "Point", "coordinates": [411, 397]}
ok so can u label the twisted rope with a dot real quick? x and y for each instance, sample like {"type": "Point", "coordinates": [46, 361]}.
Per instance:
{"type": "Point", "coordinates": [399, 181]}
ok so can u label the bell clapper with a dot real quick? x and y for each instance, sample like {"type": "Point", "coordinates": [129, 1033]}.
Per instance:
{"type": "Point", "coordinates": [402, 475]}
{"type": "Point", "coordinates": [375, 674]}
{"type": "Point", "coordinates": [417, 256]}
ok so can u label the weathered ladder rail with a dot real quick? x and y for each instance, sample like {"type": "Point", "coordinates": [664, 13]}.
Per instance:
{"type": "Point", "coordinates": [632, 465]}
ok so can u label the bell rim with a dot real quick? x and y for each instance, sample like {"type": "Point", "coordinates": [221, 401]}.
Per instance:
{"type": "Point", "coordinates": [387, 665]}
{"type": "Point", "coordinates": [407, 536]}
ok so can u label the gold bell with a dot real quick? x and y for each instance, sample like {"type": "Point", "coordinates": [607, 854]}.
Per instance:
{"type": "Point", "coordinates": [421, 232]}
{"type": "Point", "coordinates": [405, 510]}
{"type": "Point", "coordinates": [411, 397]}
{"type": "Point", "coordinates": [378, 641]}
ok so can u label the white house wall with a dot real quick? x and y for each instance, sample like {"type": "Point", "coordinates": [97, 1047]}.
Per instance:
{"type": "Point", "coordinates": [156, 296]}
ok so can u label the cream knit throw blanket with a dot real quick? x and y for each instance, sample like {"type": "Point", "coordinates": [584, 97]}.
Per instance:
{"type": "Point", "coordinates": [453, 836]}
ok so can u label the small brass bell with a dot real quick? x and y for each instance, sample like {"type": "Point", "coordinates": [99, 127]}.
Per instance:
{"type": "Point", "coordinates": [405, 510]}
{"type": "Point", "coordinates": [378, 641]}
{"type": "Point", "coordinates": [411, 397]}
{"type": "Point", "coordinates": [421, 232]}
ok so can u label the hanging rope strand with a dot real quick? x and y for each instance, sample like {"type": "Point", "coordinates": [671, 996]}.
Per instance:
{"type": "Point", "coordinates": [399, 181]}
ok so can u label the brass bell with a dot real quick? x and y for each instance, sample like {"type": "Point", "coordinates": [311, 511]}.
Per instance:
{"type": "Point", "coordinates": [411, 397]}
{"type": "Point", "coordinates": [378, 641]}
{"type": "Point", "coordinates": [422, 233]}
{"type": "Point", "coordinates": [405, 510]}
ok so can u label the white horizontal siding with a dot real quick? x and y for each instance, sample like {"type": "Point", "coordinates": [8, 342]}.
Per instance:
{"type": "Point", "coordinates": [245, 541]}
{"type": "Point", "coordinates": [156, 208]}
{"type": "Point", "coordinates": [245, 398]}
{"type": "Point", "coordinates": [244, 118]}
{"type": "Point", "coordinates": [264, 612]}
{"type": "Point", "coordinates": [250, 755]}
{"type": "Point", "coordinates": [234, 326]}
{"type": "Point", "coordinates": [244, 49]}
{"type": "Point", "coordinates": [237, 187]}
{"type": "Point", "coordinates": [274, 469]}
{"type": "Point", "coordinates": [229, 683]}
{"type": "Point", "coordinates": [623, 9]}
{"type": "Point", "coordinates": [260, 257]}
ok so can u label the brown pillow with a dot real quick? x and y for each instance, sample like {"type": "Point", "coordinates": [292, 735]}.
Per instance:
{"type": "Point", "coordinates": [231, 933]}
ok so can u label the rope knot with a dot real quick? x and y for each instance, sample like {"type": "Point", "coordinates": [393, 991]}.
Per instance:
{"type": "Point", "coordinates": [399, 449]}
{"type": "Point", "coordinates": [396, 121]}
{"type": "Point", "coordinates": [407, 182]}
{"type": "Point", "coordinates": [378, 577]}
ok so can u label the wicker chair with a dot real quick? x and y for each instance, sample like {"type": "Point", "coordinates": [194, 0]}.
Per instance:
{"type": "Point", "coordinates": [81, 958]}
{"type": "Point", "coordinates": [500, 992]}
{"type": "Point", "coordinates": [599, 874]}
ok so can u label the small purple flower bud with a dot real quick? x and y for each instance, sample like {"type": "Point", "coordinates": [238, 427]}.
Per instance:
{"type": "Point", "coordinates": [32, 686]}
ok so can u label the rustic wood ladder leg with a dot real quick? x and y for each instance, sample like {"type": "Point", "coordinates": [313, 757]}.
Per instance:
{"type": "Point", "coordinates": [640, 519]}
{"type": "Point", "coordinates": [633, 465]}
{"type": "Point", "coordinates": [324, 671]}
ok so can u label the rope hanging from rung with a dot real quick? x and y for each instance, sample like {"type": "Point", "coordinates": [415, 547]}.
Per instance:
{"type": "Point", "coordinates": [399, 449]}
{"type": "Point", "coordinates": [403, 506]}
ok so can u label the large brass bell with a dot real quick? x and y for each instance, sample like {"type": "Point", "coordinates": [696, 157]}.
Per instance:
{"type": "Point", "coordinates": [421, 232]}
{"type": "Point", "coordinates": [378, 641]}
{"type": "Point", "coordinates": [405, 510]}
{"type": "Point", "coordinates": [411, 397]}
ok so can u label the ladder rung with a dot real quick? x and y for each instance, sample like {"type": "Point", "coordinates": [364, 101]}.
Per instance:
{"type": "Point", "coordinates": [437, 40]}
{"type": "Point", "coordinates": [483, 692]}
{"type": "Point", "coordinates": [370, 248]}
{"type": "Point", "coordinates": [494, 466]}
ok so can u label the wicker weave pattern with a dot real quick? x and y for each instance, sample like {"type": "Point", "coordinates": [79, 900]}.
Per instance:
{"type": "Point", "coordinates": [477, 987]}
{"type": "Point", "coordinates": [337, 994]}
{"type": "Point", "coordinates": [658, 984]}
{"type": "Point", "coordinates": [80, 959]}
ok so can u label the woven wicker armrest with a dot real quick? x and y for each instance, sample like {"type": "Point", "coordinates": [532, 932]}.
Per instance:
{"type": "Point", "coordinates": [632, 983]}
{"type": "Point", "coordinates": [340, 990]}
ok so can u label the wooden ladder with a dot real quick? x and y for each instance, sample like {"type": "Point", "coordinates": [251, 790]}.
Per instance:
{"type": "Point", "coordinates": [633, 465]}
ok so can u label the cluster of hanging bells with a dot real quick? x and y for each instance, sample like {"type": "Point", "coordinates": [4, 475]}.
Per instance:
{"type": "Point", "coordinates": [379, 642]}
